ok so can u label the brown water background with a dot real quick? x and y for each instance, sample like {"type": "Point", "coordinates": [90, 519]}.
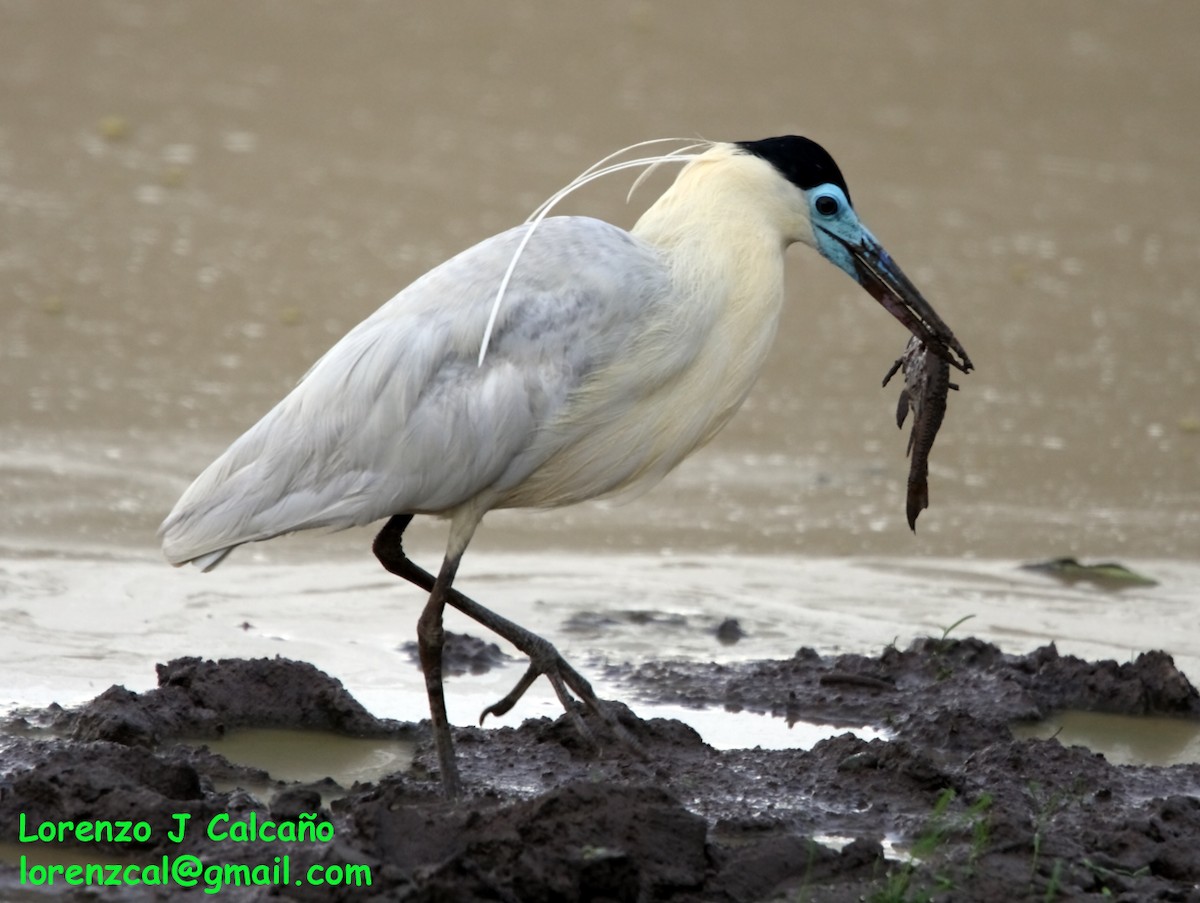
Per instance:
{"type": "Point", "coordinates": [197, 199]}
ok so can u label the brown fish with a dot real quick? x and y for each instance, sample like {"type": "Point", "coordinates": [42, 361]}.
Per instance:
{"type": "Point", "coordinates": [926, 387]}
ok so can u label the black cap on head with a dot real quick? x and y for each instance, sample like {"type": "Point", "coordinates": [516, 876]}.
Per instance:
{"type": "Point", "coordinates": [801, 161]}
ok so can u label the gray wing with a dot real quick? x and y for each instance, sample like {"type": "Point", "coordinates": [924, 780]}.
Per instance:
{"type": "Point", "coordinates": [398, 417]}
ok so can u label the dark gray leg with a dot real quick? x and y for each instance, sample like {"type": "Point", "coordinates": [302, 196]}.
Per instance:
{"type": "Point", "coordinates": [543, 657]}
{"type": "Point", "coordinates": [430, 639]}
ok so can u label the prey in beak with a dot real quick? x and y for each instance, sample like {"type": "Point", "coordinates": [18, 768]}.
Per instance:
{"type": "Point", "coordinates": [846, 242]}
{"type": "Point", "coordinates": [885, 281]}
{"type": "Point", "coordinates": [931, 351]}
{"type": "Point", "coordinates": [836, 232]}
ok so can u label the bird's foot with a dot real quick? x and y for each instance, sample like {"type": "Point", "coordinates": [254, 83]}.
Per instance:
{"type": "Point", "coordinates": [545, 659]}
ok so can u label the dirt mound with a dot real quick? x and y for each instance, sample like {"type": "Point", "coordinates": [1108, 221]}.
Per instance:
{"type": "Point", "coordinates": [988, 816]}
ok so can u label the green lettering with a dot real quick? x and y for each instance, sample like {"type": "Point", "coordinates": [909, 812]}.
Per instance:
{"type": "Point", "coordinates": [181, 819]}
{"type": "Point", "coordinates": [324, 832]}
{"type": "Point", "coordinates": [239, 832]}
{"type": "Point", "coordinates": [214, 832]}
{"type": "Point", "coordinates": [116, 876]}
{"type": "Point", "coordinates": [212, 879]}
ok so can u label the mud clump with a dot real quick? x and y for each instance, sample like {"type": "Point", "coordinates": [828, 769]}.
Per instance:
{"type": "Point", "coordinates": [463, 654]}
{"type": "Point", "coordinates": [197, 698]}
{"type": "Point", "coordinates": [988, 816]}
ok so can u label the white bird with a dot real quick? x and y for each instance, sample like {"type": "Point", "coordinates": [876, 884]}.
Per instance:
{"type": "Point", "coordinates": [562, 360]}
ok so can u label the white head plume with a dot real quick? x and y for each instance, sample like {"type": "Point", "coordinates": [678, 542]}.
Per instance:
{"type": "Point", "coordinates": [604, 167]}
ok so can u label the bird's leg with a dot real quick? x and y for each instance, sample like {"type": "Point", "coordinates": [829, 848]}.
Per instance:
{"type": "Point", "coordinates": [543, 657]}
{"type": "Point", "coordinates": [430, 640]}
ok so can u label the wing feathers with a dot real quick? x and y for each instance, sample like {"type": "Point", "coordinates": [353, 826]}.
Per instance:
{"type": "Point", "coordinates": [398, 418]}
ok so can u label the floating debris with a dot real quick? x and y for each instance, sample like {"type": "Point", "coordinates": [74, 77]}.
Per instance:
{"type": "Point", "coordinates": [729, 632]}
{"type": "Point", "coordinates": [1106, 575]}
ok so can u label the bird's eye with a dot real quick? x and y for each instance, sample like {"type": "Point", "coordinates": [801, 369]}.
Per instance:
{"type": "Point", "coordinates": [827, 205]}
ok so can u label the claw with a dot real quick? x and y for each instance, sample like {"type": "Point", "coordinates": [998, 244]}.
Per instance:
{"type": "Point", "coordinates": [502, 706]}
{"type": "Point", "coordinates": [565, 679]}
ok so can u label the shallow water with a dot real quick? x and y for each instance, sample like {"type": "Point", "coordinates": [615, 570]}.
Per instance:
{"type": "Point", "coordinates": [1122, 740]}
{"type": "Point", "coordinates": [311, 756]}
{"type": "Point", "coordinates": [195, 202]}
{"type": "Point", "coordinates": [75, 626]}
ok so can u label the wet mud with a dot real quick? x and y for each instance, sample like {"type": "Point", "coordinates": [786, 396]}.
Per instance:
{"type": "Point", "coordinates": [950, 806]}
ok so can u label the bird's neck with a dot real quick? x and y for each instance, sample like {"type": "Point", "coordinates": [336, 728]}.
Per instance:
{"type": "Point", "coordinates": [725, 253]}
{"type": "Point", "coordinates": [723, 201]}
{"type": "Point", "coordinates": [721, 241]}
{"type": "Point", "coordinates": [720, 216]}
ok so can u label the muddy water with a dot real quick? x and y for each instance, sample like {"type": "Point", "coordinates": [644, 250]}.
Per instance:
{"type": "Point", "coordinates": [196, 201]}
{"type": "Point", "coordinates": [1123, 740]}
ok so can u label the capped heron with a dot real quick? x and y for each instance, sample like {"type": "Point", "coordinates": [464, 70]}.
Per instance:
{"type": "Point", "coordinates": [562, 360]}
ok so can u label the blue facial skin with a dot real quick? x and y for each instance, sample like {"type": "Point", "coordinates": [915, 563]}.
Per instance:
{"type": "Point", "coordinates": [837, 228]}
{"type": "Point", "coordinates": [845, 242]}
{"type": "Point", "coordinates": [849, 245]}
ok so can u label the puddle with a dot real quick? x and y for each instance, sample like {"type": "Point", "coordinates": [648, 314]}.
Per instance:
{"type": "Point", "coordinates": [723, 729]}
{"type": "Point", "coordinates": [836, 842]}
{"type": "Point", "coordinates": [1122, 739]}
{"type": "Point", "coordinates": [311, 756]}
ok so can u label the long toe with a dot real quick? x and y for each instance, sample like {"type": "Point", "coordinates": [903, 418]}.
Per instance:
{"type": "Point", "coordinates": [566, 680]}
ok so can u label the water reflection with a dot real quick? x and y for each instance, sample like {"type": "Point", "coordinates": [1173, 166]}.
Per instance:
{"type": "Point", "coordinates": [1122, 739]}
{"type": "Point", "coordinates": [313, 756]}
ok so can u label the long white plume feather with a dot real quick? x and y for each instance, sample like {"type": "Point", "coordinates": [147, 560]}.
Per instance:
{"type": "Point", "coordinates": [597, 170]}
